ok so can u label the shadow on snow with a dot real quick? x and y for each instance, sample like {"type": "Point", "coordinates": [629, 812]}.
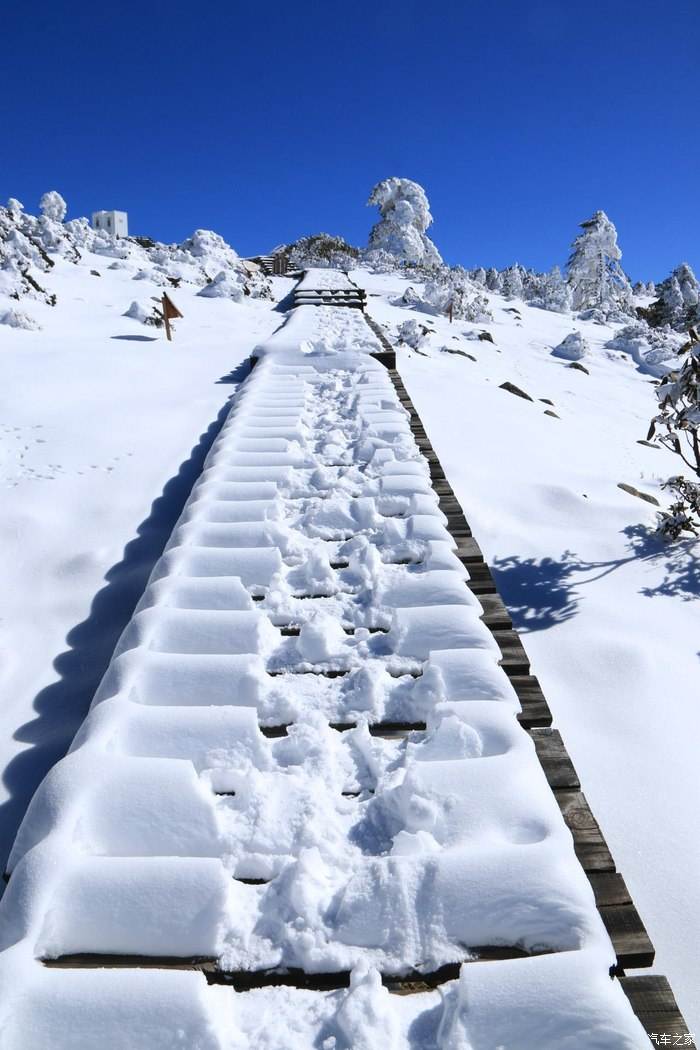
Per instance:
{"type": "Point", "coordinates": [545, 592]}
{"type": "Point", "coordinates": [61, 706]}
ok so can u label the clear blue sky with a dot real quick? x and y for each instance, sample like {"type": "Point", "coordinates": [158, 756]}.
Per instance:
{"type": "Point", "coordinates": [265, 121]}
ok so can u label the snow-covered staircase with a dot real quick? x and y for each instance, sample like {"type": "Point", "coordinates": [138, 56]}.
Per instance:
{"type": "Point", "coordinates": [318, 770]}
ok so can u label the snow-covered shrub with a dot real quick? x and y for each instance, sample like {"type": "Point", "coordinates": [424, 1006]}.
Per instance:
{"type": "Point", "coordinates": [683, 515]}
{"type": "Point", "coordinates": [453, 290]}
{"type": "Point", "coordinates": [405, 216]}
{"type": "Point", "coordinates": [678, 302]}
{"type": "Point", "coordinates": [19, 319]}
{"type": "Point", "coordinates": [413, 334]}
{"type": "Point", "coordinates": [653, 350]}
{"type": "Point", "coordinates": [323, 250]}
{"type": "Point", "coordinates": [145, 312]}
{"type": "Point", "coordinates": [225, 286]}
{"type": "Point", "coordinates": [677, 427]}
{"type": "Point", "coordinates": [478, 310]}
{"type": "Point", "coordinates": [594, 274]}
{"type": "Point", "coordinates": [573, 348]}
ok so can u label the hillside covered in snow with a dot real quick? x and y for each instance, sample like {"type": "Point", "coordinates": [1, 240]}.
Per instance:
{"type": "Point", "coordinates": [536, 390]}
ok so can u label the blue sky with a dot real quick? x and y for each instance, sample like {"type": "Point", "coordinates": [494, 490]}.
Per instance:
{"type": "Point", "coordinates": [268, 121]}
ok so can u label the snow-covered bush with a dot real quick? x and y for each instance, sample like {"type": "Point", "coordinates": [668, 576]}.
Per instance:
{"type": "Point", "coordinates": [653, 350]}
{"type": "Point", "coordinates": [677, 427]}
{"type": "Point", "coordinates": [413, 334]}
{"type": "Point", "coordinates": [323, 250]}
{"type": "Point", "coordinates": [19, 319]}
{"type": "Point", "coordinates": [225, 286]}
{"type": "Point", "coordinates": [405, 216]}
{"type": "Point", "coordinates": [573, 348]}
{"type": "Point", "coordinates": [145, 312]}
{"type": "Point", "coordinates": [594, 274]}
{"type": "Point", "coordinates": [678, 302]}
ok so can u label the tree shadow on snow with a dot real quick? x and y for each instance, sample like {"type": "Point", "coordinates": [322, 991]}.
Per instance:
{"type": "Point", "coordinates": [540, 594]}
{"type": "Point", "coordinates": [62, 706]}
{"type": "Point", "coordinates": [137, 338]}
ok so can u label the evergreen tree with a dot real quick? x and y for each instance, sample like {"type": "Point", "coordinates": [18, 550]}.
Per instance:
{"type": "Point", "coordinates": [595, 277]}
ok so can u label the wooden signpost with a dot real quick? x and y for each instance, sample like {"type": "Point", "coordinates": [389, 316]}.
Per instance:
{"type": "Point", "coordinates": [170, 312]}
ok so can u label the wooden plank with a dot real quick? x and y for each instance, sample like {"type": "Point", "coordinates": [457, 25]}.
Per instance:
{"type": "Point", "coordinates": [496, 616]}
{"type": "Point", "coordinates": [654, 1004]}
{"type": "Point", "coordinates": [535, 709]}
{"type": "Point", "coordinates": [554, 759]}
{"type": "Point", "coordinates": [468, 550]}
{"type": "Point", "coordinates": [628, 935]}
{"type": "Point", "coordinates": [480, 579]}
{"type": "Point", "coordinates": [589, 843]}
{"type": "Point", "coordinates": [514, 659]}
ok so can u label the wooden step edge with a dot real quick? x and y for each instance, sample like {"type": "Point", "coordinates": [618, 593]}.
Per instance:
{"type": "Point", "coordinates": [589, 843]}
{"type": "Point", "coordinates": [535, 712]}
{"type": "Point", "coordinates": [655, 1006]}
{"type": "Point", "coordinates": [554, 759]}
{"type": "Point", "coordinates": [246, 980]}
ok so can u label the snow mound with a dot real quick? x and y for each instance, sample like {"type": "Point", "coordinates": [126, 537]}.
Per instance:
{"type": "Point", "coordinates": [225, 286]}
{"type": "Point", "coordinates": [573, 348]}
{"type": "Point", "coordinates": [145, 312]}
{"type": "Point", "coordinates": [655, 352]}
{"type": "Point", "coordinates": [19, 319]}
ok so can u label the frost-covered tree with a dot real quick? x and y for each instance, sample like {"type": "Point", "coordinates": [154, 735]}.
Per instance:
{"type": "Point", "coordinates": [678, 302]}
{"type": "Point", "coordinates": [405, 216]}
{"type": "Point", "coordinates": [677, 426]}
{"type": "Point", "coordinates": [594, 274]}
{"type": "Point", "coordinates": [555, 292]}
{"type": "Point", "coordinates": [53, 206]}
{"type": "Point", "coordinates": [493, 280]}
{"type": "Point", "coordinates": [512, 282]}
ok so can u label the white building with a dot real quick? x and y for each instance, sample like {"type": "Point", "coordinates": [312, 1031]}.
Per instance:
{"type": "Point", "coordinates": [115, 222]}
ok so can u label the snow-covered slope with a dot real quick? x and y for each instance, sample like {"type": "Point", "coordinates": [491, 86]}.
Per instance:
{"type": "Point", "coordinates": [175, 829]}
{"type": "Point", "coordinates": [103, 427]}
{"type": "Point", "coordinates": [96, 427]}
{"type": "Point", "coordinates": [610, 616]}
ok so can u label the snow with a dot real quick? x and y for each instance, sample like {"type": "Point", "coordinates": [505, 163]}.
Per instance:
{"type": "Point", "coordinates": [101, 417]}
{"type": "Point", "coordinates": [573, 348]}
{"type": "Point", "coordinates": [609, 616]}
{"type": "Point", "coordinates": [374, 852]}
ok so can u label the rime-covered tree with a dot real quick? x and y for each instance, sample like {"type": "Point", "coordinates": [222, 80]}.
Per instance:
{"type": "Point", "coordinates": [678, 302]}
{"type": "Point", "coordinates": [53, 206]}
{"type": "Point", "coordinates": [405, 216]}
{"type": "Point", "coordinates": [493, 280]}
{"type": "Point", "coordinates": [555, 292]}
{"type": "Point", "coordinates": [677, 426]}
{"type": "Point", "coordinates": [594, 274]}
{"type": "Point", "coordinates": [512, 282]}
